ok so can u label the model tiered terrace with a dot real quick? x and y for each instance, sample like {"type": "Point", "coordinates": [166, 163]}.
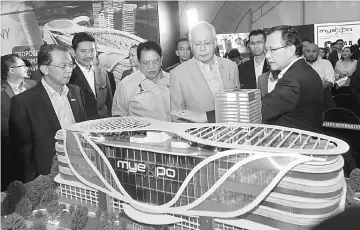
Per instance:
{"type": "Point", "coordinates": [235, 175]}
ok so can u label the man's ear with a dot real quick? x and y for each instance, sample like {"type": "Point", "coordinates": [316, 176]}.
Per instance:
{"type": "Point", "coordinates": [292, 49]}
{"type": "Point", "coordinates": [177, 53]}
{"type": "Point", "coordinates": [11, 70]}
{"type": "Point", "coordinates": [44, 69]}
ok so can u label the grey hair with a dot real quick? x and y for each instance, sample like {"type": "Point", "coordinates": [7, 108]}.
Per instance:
{"type": "Point", "coordinates": [201, 24]}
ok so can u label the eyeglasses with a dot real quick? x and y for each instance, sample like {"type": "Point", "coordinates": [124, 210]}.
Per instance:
{"type": "Point", "coordinates": [18, 66]}
{"type": "Point", "coordinates": [273, 49]}
{"type": "Point", "coordinates": [206, 44]}
{"type": "Point", "coordinates": [258, 43]}
{"type": "Point", "coordinates": [153, 62]}
{"type": "Point", "coordinates": [71, 66]}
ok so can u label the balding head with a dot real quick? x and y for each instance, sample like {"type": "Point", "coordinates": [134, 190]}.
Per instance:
{"type": "Point", "coordinates": [311, 52]}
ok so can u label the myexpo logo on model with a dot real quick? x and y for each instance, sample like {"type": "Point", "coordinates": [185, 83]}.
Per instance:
{"type": "Point", "coordinates": [336, 30]}
{"type": "Point", "coordinates": [146, 168]}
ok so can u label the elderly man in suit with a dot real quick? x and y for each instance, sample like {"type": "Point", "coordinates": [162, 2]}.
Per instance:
{"type": "Point", "coordinates": [14, 74]}
{"type": "Point", "coordinates": [194, 82]}
{"type": "Point", "coordinates": [92, 79]}
{"type": "Point", "coordinates": [250, 70]}
{"type": "Point", "coordinates": [38, 113]}
{"type": "Point", "coordinates": [297, 100]}
{"type": "Point", "coordinates": [355, 82]}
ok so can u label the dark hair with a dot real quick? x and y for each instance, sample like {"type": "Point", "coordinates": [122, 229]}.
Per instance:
{"type": "Point", "coordinates": [290, 37]}
{"type": "Point", "coordinates": [181, 40]}
{"type": "Point", "coordinates": [81, 37]}
{"type": "Point", "coordinates": [359, 42]}
{"type": "Point", "coordinates": [352, 51]}
{"type": "Point", "coordinates": [320, 48]}
{"type": "Point", "coordinates": [339, 41]}
{"type": "Point", "coordinates": [44, 55]}
{"type": "Point", "coordinates": [234, 53]}
{"type": "Point", "coordinates": [148, 46]}
{"type": "Point", "coordinates": [27, 63]}
{"type": "Point", "coordinates": [306, 40]}
{"type": "Point", "coordinates": [6, 61]}
{"type": "Point", "coordinates": [333, 44]}
{"type": "Point", "coordinates": [257, 32]}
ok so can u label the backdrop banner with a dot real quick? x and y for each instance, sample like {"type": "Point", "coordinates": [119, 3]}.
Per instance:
{"type": "Point", "coordinates": [327, 33]}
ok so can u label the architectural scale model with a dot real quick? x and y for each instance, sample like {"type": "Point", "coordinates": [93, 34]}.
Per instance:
{"type": "Point", "coordinates": [202, 176]}
{"type": "Point", "coordinates": [242, 106]}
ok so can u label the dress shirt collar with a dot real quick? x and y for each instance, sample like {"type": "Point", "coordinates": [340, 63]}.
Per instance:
{"type": "Point", "coordinates": [83, 69]}
{"type": "Point", "coordinates": [20, 86]}
{"type": "Point", "coordinates": [281, 74]}
{"type": "Point", "coordinates": [259, 64]}
{"type": "Point", "coordinates": [211, 65]}
{"type": "Point", "coordinates": [51, 92]}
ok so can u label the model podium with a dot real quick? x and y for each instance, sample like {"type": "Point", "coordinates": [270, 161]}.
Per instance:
{"type": "Point", "coordinates": [242, 106]}
{"type": "Point", "coordinates": [203, 176]}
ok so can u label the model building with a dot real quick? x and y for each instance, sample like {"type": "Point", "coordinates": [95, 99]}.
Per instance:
{"type": "Point", "coordinates": [202, 176]}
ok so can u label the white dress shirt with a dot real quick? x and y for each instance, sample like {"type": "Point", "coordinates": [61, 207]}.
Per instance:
{"type": "Point", "coordinates": [19, 88]}
{"type": "Point", "coordinates": [212, 75]}
{"type": "Point", "coordinates": [61, 104]}
{"type": "Point", "coordinates": [138, 96]}
{"type": "Point", "coordinates": [271, 82]}
{"type": "Point", "coordinates": [324, 68]}
{"type": "Point", "coordinates": [89, 75]}
{"type": "Point", "coordinates": [258, 68]}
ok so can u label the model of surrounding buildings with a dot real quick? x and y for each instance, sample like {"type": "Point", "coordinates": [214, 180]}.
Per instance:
{"type": "Point", "coordinates": [202, 176]}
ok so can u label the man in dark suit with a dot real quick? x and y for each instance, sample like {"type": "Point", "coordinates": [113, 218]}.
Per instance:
{"type": "Point", "coordinates": [297, 100]}
{"type": "Point", "coordinates": [13, 81]}
{"type": "Point", "coordinates": [355, 82]}
{"type": "Point", "coordinates": [38, 113]}
{"type": "Point", "coordinates": [336, 55]}
{"type": "Point", "coordinates": [249, 71]}
{"type": "Point", "coordinates": [134, 63]}
{"type": "Point", "coordinates": [92, 79]}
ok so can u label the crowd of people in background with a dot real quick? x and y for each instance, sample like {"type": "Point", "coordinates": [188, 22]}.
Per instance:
{"type": "Point", "coordinates": [297, 80]}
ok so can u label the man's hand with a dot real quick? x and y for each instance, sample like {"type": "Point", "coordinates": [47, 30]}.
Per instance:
{"type": "Point", "coordinates": [186, 114]}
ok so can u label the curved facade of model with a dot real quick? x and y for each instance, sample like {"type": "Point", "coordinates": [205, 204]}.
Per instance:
{"type": "Point", "coordinates": [237, 175]}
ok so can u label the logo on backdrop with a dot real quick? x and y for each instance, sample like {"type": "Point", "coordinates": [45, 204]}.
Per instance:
{"type": "Point", "coordinates": [336, 30]}
{"type": "Point", "coordinates": [154, 170]}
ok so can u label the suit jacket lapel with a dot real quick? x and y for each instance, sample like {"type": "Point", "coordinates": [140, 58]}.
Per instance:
{"type": "Point", "coordinates": [225, 74]}
{"type": "Point", "coordinates": [265, 67]}
{"type": "Point", "coordinates": [266, 83]}
{"type": "Point", "coordinates": [83, 82]}
{"type": "Point", "coordinates": [7, 88]}
{"type": "Point", "coordinates": [46, 105]}
{"type": "Point", "coordinates": [74, 104]}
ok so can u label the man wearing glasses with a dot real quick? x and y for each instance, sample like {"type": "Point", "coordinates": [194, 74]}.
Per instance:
{"type": "Point", "coordinates": [92, 79]}
{"type": "Point", "coordinates": [250, 71]}
{"type": "Point", "coordinates": [336, 55]}
{"type": "Point", "coordinates": [297, 100]}
{"type": "Point", "coordinates": [144, 93]}
{"type": "Point", "coordinates": [194, 82]}
{"type": "Point", "coordinates": [38, 113]}
{"type": "Point", "coordinates": [14, 74]}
